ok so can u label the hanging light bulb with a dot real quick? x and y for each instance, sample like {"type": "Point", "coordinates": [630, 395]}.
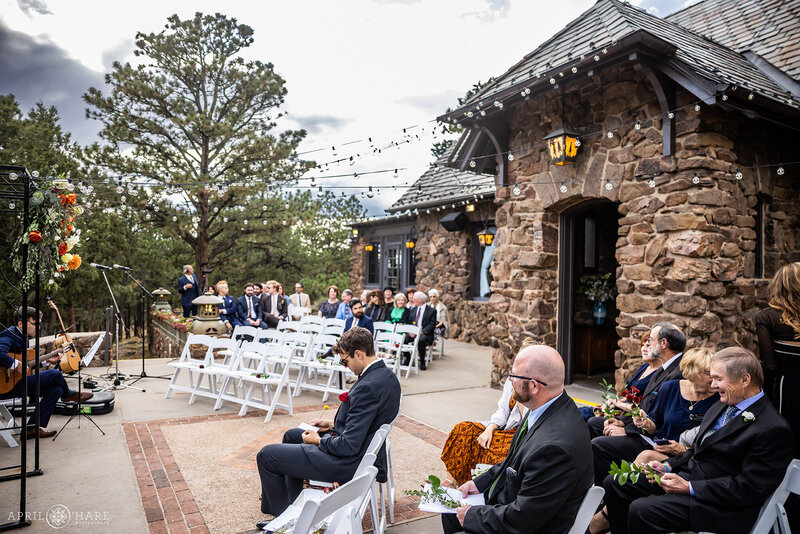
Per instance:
{"type": "Point", "coordinates": [638, 125]}
{"type": "Point", "coordinates": [123, 199]}
{"type": "Point", "coordinates": [577, 142]}
{"type": "Point", "coordinates": [516, 190]}
{"type": "Point", "coordinates": [671, 115]}
{"type": "Point", "coordinates": [174, 218]}
{"type": "Point", "coordinates": [563, 187]}
{"type": "Point", "coordinates": [695, 179]}
{"type": "Point", "coordinates": [156, 208]}
{"type": "Point", "coordinates": [11, 205]}
{"type": "Point", "coordinates": [395, 174]}
{"type": "Point", "coordinates": [739, 174]}
{"type": "Point", "coordinates": [483, 113]}
{"type": "Point", "coordinates": [216, 209]}
{"type": "Point", "coordinates": [472, 163]}
{"type": "Point", "coordinates": [510, 157]}
{"type": "Point", "coordinates": [370, 192]}
{"type": "Point", "coordinates": [13, 176]}
{"type": "Point", "coordinates": [35, 174]}
{"type": "Point", "coordinates": [697, 107]}
{"type": "Point", "coordinates": [724, 97]}
{"type": "Point", "coordinates": [780, 171]}
{"type": "Point", "coordinates": [470, 114]}
{"type": "Point", "coordinates": [224, 219]}
{"type": "Point", "coordinates": [651, 182]}
{"type": "Point", "coordinates": [119, 189]}
{"type": "Point", "coordinates": [751, 96]}
{"type": "Point", "coordinates": [610, 134]}
{"type": "Point", "coordinates": [609, 185]}
{"type": "Point", "coordinates": [574, 70]}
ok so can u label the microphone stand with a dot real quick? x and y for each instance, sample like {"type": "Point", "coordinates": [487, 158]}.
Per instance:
{"type": "Point", "coordinates": [118, 378]}
{"type": "Point", "coordinates": [143, 293]}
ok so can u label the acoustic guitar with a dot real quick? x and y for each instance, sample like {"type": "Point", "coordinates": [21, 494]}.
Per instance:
{"type": "Point", "coordinates": [71, 360]}
{"type": "Point", "coordinates": [10, 377]}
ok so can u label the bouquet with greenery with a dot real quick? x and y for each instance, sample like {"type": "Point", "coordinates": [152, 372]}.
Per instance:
{"type": "Point", "coordinates": [598, 287]}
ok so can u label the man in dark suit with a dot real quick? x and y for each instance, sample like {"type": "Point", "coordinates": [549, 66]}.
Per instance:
{"type": "Point", "coordinates": [541, 483]}
{"type": "Point", "coordinates": [189, 288]}
{"type": "Point", "coordinates": [621, 438]}
{"type": "Point", "coordinates": [334, 453]}
{"type": "Point", "coordinates": [739, 457]}
{"type": "Point", "coordinates": [248, 310]}
{"type": "Point", "coordinates": [359, 318]}
{"type": "Point", "coordinates": [273, 305]}
{"type": "Point", "coordinates": [423, 316]}
{"type": "Point", "coordinates": [227, 310]}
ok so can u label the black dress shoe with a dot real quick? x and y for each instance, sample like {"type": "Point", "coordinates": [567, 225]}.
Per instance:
{"type": "Point", "coordinates": [261, 524]}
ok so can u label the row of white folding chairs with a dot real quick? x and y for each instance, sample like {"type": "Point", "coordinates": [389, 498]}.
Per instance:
{"type": "Point", "coordinates": [384, 326]}
{"type": "Point", "coordinates": [309, 348]}
{"type": "Point", "coordinates": [390, 345]}
{"type": "Point", "coordinates": [252, 367]}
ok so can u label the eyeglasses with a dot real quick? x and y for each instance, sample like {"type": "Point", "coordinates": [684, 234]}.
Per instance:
{"type": "Point", "coordinates": [343, 359]}
{"type": "Point", "coordinates": [528, 378]}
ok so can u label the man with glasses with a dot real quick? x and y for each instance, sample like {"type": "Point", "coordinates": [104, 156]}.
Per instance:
{"type": "Point", "coordinates": [52, 385]}
{"type": "Point", "coordinates": [548, 470]}
{"type": "Point", "coordinates": [333, 453]}
{"type": "Point", "coordinates": [299, 300]}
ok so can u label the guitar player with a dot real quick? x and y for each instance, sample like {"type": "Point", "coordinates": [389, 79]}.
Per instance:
{"type": "Point", "coordinates": [51, 381]}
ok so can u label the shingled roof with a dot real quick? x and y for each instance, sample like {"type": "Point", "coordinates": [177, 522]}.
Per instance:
{"type": "Point", "coordinates": [605, 30]}
{"type": "Point", "coordinates": [770, 28]}
{"type": "Point", "coordinates": [441, 185]}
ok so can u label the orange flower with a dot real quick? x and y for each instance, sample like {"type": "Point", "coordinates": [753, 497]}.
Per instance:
{"type": "Point", "coordinates": [68, 200]}
{"type": "Point", "coordinates": [75, 262]}
{"type": "Point", "coordinates": [62, 248]}
{"type": "Point", "coordinates": [35, 236]}
{"type": "Point", "coordinates": [61, 268]}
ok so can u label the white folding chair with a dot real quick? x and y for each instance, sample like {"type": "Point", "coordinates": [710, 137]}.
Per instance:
{"type": "Point", "coordinates": [438, 342]}
{"type": "Point", "coordinates": [312, 319]}
{"type": "Point", "coordinates": [270, 337]}
{"type": "Point", "coordinates": [249, 358]}
{"type": "Point", "coordinates": [773, 514]}
{"type": "Point", "coordinates": [242, 331]}
{"type": "Point", "coordinates": [313, 366]}
{"type": "Point", "coordinates": [310, 328]}
{"type": "Point", "coordinates": [587, 509]}
{"type": "Point", "coordinates": [390, 489]}
{"type": "Point", "coordinates": [410, 348]}
{"type": "Point", "coordinates": [334, 327]}
{"type": "Point", "coordinates": [211, 370]}
{"type": "Point", "coordinates": [7, 426]}
{"type": "Point", "coordinates": [343, 504]}
{"type": "Point", "coordinates": [387, 347]}
{"type": "Point", "coordinates": [249, 380]}
{"type": "Point", "coordinates": [298, 311]}
{"type": "Point", "coordinates": [188, 363]}
{"type": "Point", "coordinates": [383, 326]}
{"type": "Point", "coordinates": [284, 326]}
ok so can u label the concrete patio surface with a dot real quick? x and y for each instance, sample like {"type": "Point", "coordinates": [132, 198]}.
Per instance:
{"type": "Point", "coordinates": [98, 478]}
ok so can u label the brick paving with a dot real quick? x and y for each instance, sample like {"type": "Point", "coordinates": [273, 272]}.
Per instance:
{"type": "Point", "coordinates": [168, 503]}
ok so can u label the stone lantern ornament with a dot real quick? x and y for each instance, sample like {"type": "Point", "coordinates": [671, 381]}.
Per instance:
{"type": "Point", "coordinates": [207, 320]}
{"type": "Point", "coordinates": [161, 303]}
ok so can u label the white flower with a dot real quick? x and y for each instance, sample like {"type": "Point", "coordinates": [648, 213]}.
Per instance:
{"type": "Point", "coordinates": [748, 417]}
{"type": "Point", "coordinates": [72, 241]}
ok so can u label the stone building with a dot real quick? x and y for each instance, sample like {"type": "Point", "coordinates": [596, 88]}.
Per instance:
{"type": "Point", "coordinates": [681, 187]}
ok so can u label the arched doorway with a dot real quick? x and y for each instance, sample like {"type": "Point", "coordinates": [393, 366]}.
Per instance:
{"type": "Point", "coordinates": [587, 253]}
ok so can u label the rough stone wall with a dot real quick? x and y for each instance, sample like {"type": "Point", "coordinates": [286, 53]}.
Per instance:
{"type": "Point", "coordinates": [686, 251]}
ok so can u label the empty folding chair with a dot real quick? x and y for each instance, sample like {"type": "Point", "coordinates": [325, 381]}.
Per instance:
{"type": "Point", "coordinates": [211, 370]}
{"type": "Point", "coordinates": [271, 337]}
{"type": "Point", "coordinates": [249, 359]}
{"type": "Point", "coordinates": [310, 328]}
{"type": "Point", "coordinates": [587, 509]}
{"type": "Point", "coordinates": [284, 326]}
{"type": "Point", "coordinates": [245, 333]}
{"type": "Point", "coordinates": [333, 327]}
{"type": "Point", "coordinates": [313, 367]}
{"type": "Point", "coordinates": [343, 504]}
{"type": "Point", "coordinates": [312, 319]}
{"type": "Point", "coordinates": [186, 362]}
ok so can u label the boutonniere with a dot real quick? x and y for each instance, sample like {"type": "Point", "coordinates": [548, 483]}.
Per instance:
{"type": "Point", "coordinates": [343, 396]}
{"type": "Point", "coordinates": [748, 417]}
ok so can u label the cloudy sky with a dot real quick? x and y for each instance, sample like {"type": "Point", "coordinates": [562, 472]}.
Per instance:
{"type": "Point", "coordinates": [354, 68]}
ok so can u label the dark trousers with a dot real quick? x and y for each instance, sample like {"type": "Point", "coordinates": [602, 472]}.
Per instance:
{"type": "Point", "coordinates": [595, 425]}
{"type": "Point", "coordinates": [189, 310]}
{"type": "Point", "coordinates": [52, 387]}
{"type": "Point", "coordinates": [270, 321]}
{"type": "Point", "coordinates": [607, 449]}
{"type": "Point", "coordinates": [450, 524]}
{"type": "Point", "coordinates": [422, 349]}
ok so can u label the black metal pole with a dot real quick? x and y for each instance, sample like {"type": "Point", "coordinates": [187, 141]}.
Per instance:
{"type": "Point", "coordinates": [37, 385]}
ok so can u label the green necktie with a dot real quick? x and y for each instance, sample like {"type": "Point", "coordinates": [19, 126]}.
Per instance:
{"type": "Point", "coordinates": [510, 453]}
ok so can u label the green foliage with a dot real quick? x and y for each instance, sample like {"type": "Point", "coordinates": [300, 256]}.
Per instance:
{"type": "Point", "coordinates": [436, 493]}
{"type": "Point", "coordinates": [630, 471]}
{"type": "Point", "coordinates": [599, 287]}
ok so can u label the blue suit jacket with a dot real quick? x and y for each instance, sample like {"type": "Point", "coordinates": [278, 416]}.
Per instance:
{"type": "Point", "coordinates": [11, 340]}
{"type": "Point", "coordinates": [241, 309]}
{"type": "Point", "coordinates": [374, 400]}
{"type": "Point", "coordinates": [188, 295]}
{"type": "Point", "coordinates": [227, 310]}
{"type": "Point", "coordinates": [364, 322]}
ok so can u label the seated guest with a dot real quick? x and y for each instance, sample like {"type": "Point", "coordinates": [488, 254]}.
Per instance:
{"type": "Point", "coordinates": [424, 317]}
{"type": "Point", "coordinates": [227, 310]}
{"type": "Point", "coordinates": [739, 457]}
{"type": "Point", "coordinates": [248, 309]}
{"type": "Point", "coordinates": [359, 318]}
{"type": "Point", "coordinates": [258, 289]}
{"type": "Point", "coordinates": [388, 298]}
{"type": "Point", "coordinates": [410, 293]}
{"type": "Point", "coordinates": [548, 470]}
{"type": "Point", "coordinates": [487, 442]}
{"type": "Point", "coordinates": [273, 305]}
{"type": "Point", "coordinates": [365, 298]}
{"type": "Point", "coordinates": [639, 380]}
{"type": "Point", "coordinates": [442, 319]}
{"type": "Point", "coordinates": [399, 312]}
{"type": "Point", "coordinates": [666, 344]}
{"type": "Point", "coordinates": [376, 309]}
{"type": "Point", "coordinates": [282, 295]}
{"type": "Point", "coordinates": [328, 308]}
{"type": "Point", "coordinates": [343, 312]}
{"type": "Point", "coordinates": [334, 453]}
{"type": "Point", "coordinates": [299, 300]}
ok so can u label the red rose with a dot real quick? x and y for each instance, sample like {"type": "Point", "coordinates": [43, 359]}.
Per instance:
{"type": "Point", "coordinates": [343, 397]}
{"type": "Point", "coordinates": [629, 397]}
{"type": "Point", "coordinates": [62, 249]}
{"type": "Point", "coordinates": [637, 399]}
{"type": "Point", "coordinates": [35, 236]}
{"type": "Point", "coordinates": [634, 390]}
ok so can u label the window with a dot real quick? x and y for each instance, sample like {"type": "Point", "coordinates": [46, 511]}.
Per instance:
{"type": "Point", "coordinates": [374, 264]}
{"type": "Point", "coordinates": [394, 265]}
{"type": "Point", "coordinates": [481, 262]}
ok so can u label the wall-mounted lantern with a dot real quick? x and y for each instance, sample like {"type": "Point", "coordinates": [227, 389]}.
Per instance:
{"type": "Point", "coordinates": [485, 238]}
{"type": "Point", "coordinates": [563, 147]}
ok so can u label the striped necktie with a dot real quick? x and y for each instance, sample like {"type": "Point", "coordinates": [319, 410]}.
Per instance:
{"type": "Point", "coordinates": [521, 434]}
{"type": "Point", "coordinates": [730, 411]}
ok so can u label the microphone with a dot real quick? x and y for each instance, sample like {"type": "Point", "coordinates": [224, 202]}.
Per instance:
{"type": "Point", "coordinates": [122, 267]}
{"type": "Point", "coordinates": [99, 266]}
